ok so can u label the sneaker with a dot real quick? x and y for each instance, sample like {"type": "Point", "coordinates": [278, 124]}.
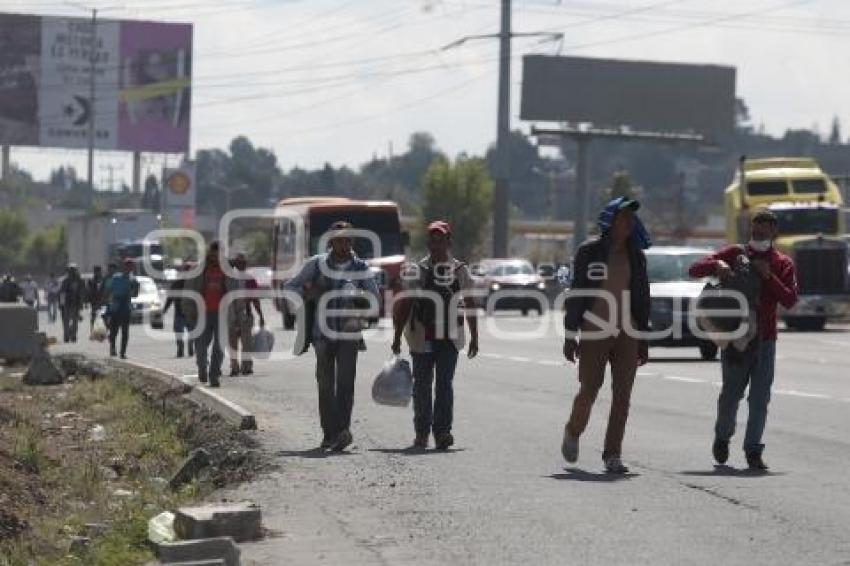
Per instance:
{"type": "Point", "coordinates": [327, 443]}
{"type": "Point", "coordinates": [343, 441]}
{"type": "Point", "coordinates": [202, 375]}
{"type": "Point", "coordinates": [421, 441]}
{"type": "Point", "coordinates": [755, 463]}
{"type": "Point", "coordinates": [614, 465]}
{"type": "Point", "coordinates": [720, 449]}
{"type": "Point", "coordinates": [444, 441]}
{"type": "Point", "coordinates": [569, 447]}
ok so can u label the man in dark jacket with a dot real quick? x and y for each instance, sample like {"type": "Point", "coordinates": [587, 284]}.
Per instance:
{"type": "Point", "coordinates": [181, 325]}
{"type": "Point", "coordinates": [612, 266]}
{"type": "Point", "coordinates": [756, 365]}
{"type": "Point", "coordinates": [72, 293]}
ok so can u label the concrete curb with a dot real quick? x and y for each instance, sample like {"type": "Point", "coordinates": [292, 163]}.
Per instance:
{"type": "Point", "coordinates": [226, 409]}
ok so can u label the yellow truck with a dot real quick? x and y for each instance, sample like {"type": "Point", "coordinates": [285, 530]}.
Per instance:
{"type": "Point", "coordinates": [808, 205]}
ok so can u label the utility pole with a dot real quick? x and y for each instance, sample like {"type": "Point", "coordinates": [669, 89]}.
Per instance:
{"type": "Point", "coordinates": [501, 198]}
{"type": "Point", "coordinates": [92, 106]}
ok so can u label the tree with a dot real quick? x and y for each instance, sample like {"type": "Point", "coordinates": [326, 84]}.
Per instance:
{"type": "Point", "coordinates": [151, 196]}
{"type": "Point", "coordinates": [835, 133]}
{"type": "Point", "coordinates": [460, 193]}
{"type": "Point", "coordinates": [621, 186]}
{"type": "Point", "coordinates": [46, 250]}
{"type": "Point", "coordinates": [13, 234]}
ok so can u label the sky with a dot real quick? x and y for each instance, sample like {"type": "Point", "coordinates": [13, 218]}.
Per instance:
{"type": "Point", "coordinates": [341, 81]}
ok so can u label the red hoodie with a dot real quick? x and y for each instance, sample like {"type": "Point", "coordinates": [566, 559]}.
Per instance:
{"type": "Point", "coordinates": [780, 287]}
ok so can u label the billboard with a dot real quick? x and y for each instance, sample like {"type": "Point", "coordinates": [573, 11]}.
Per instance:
{"type": "Point", "coordinates": [648, 96]}
{"type": "Point", "coordinates": [142, 83]}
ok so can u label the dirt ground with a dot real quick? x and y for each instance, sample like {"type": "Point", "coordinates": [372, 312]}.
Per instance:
{"type": "Point", "coordinates": [83, 465]}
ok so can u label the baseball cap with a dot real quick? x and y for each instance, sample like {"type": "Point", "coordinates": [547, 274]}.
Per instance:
{"type": "Point", "coordinates": [440, 226]}
{"type": "Point", "coordinates": [627, 203]}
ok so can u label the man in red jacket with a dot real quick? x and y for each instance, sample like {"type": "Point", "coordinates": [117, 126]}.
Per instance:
{"type": "Point", "coordinates": [756, 366]}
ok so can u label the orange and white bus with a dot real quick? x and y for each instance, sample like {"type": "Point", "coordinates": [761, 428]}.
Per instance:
{"type": "Point", "coordinates": [292, 244]}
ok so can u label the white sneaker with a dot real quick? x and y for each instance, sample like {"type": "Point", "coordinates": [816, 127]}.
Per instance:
{"type": "Point", "coordinates": [614, 465]}
{"type": "Point", "coordinates": [569, 447]}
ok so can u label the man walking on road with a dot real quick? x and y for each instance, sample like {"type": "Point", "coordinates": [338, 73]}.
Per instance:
{"type": "Point", "coordinates": [434, 334]}
{"type": "Point", "coordinates": [71, 297]}
{"type": "Point", "coordinates": [340, 272]}
{"type": "Point", "coordinates": [240, 321]}
{"type": "Point", "coordinates": [211, 285]}
{"type": "Point", "coordinates": [756, 365]}
{"type": "Point", "coordinates": [120, 290]}
{"type": "Point", "coordinates": [181, 325]}
{"type": "Point", "coordinates": [95, 289]}
{"type": "Point", "coordinates": [614, 265]}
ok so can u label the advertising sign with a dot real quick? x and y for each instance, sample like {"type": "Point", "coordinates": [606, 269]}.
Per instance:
{"type": "Point", "coordinates": [642, 95]}
{"type": "Point", "coordinates": [178, 194]}
{"type": "Point", "coordinates": [142, 76]}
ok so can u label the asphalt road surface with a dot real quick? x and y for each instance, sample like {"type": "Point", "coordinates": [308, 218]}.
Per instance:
{"type": "Point", "coordinates": [504, 495]}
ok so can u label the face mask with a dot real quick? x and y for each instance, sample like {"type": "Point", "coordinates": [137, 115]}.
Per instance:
{"type": "Point", "coordinates": [760, 245]}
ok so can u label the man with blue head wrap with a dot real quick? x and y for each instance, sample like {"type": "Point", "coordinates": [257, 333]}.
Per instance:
{"type": "Point", "coordinates": [608, 306]}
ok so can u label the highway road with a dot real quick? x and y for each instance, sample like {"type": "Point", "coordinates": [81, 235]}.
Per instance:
{"type": "Point", "coordinates": [504, 495]}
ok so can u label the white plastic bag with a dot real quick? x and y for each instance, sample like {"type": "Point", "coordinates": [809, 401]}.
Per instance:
{"type": "Point", "coordinates": [394, 384]}
{"type": "Point", "coordinates": [263, 343]}
{"type": "Point", "coordinates": [161, 528]}
{"type": "Point", "coordinates": [98, 330]}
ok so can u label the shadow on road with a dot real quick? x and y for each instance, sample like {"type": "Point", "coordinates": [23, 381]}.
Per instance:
{"type": "Point", "coordinates": [576, 474]}
{"type": "Point", "coordinates": [729, 471]}
{"type": "Point", "coordinates": [313, 453]}
{"type": "Point", "coordinates": [411, 451]}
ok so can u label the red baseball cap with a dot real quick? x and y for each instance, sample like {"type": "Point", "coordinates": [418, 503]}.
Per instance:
{"type": "Point", "coordinates": [440, 226]}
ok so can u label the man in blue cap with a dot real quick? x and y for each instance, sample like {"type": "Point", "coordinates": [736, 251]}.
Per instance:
{"type": "Point", "coordinates": [614, 265]}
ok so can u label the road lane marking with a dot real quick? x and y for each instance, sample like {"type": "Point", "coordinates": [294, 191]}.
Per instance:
{"type": "Point", "coordinates": [795, 393]}
{"type": "Point", "coordinates": [552, 363]}
{"type": "Point", "coordinates": [683, 379]}
{"type": "Point", "coordinates": [519, 359]}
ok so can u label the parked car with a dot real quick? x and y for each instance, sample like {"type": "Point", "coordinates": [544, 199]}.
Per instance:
{"type": "Point", "coordinates": [673, 294]}
{"type": "Point", "coordinates": [147, 305]}
{"type": "Point", "coordinates": [506, 278]}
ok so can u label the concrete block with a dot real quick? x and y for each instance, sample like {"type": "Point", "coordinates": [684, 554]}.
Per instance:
{"type": "Point", "coordinates": [242, 521]}
{"type": "Point", "coordinates": [221, 548]}
{"type": "Point", "coordinates": [42, 370]}
{"type": "Point", "coordinates": [197, 460]}
{"type": "Point", "coordinates": [18, 325]}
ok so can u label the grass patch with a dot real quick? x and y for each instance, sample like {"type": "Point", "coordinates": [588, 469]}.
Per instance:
{"type": "Point", "coordinates": [56, 476]}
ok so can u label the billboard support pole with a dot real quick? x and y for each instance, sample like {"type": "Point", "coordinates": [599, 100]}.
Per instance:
{"type": "Point", "coordinates": [92, 106]}
{"type": "Point", "coordinates": [6, 159]}
{"type": "Point", "coordinates": [580, 226]}
{"type": "Point", "coordinates": [137, 172]}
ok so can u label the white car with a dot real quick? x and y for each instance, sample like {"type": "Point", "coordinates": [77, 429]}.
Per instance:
{"type": "Point", "coordinates": [147, 305]}
{"type": "Point", "coordinates": [673, 293]}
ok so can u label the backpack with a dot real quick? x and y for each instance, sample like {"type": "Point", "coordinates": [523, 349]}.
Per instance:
{"type": "Point", "coordinates": [425, 309]}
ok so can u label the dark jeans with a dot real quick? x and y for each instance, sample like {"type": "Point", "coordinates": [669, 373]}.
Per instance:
{"type": "Point", "coordinates": [757, 370]}
{"type": "Point", "coordinates": [180, 326]}
{"type": "Point", "coordinates": [440, 362]}
{"type": "Point", "coordinates": [70, 322]}
{"type": "Point", "coordinates": [210, 334]}
{"type": "Point", "coordinates": [336, 369]}
{"type": "Point", "coordinates": [120, 320]}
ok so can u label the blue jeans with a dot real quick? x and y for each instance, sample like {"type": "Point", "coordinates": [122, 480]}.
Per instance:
{"type": "Point", "coordinates": [202, 343]}
{"type": "Point", "coordinates": [757, 371]}
{"type": "Point", "coordinates": [442, 361]}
